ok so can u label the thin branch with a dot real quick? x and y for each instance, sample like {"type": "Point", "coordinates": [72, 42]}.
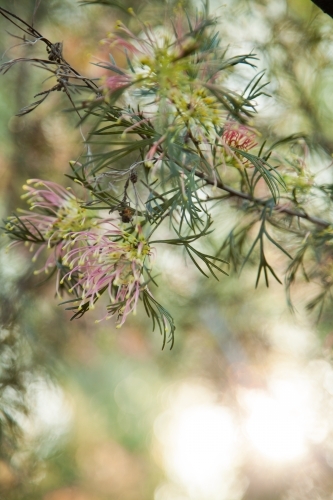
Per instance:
{"type": "Point", "coordinates": [260, 201]}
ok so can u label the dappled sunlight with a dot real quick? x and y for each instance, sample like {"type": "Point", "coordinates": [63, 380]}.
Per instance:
{"type": "Point", "coordinates": [51, 410]}
{"type": "Point", "coordinates": [205, 445]}
{"type": "Point", "coordinates": [199, 444]}
{"type": "Point", "coordinates": [276, 425]}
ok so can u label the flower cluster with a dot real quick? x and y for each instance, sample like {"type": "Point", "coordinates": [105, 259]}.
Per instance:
{"type": "Point", "coordinates": [60, 211]}
{"type": "Point", "coordinates": [163, 69]}
{"type": "Point", "coordinates": [159, 61]}
{"type": "Point", "coordinates": [196, 109]}
{"type": "Point", "coordinates": [112, 261]}
{"type": "Point", "coordinates": [54, 213]}
{"type": "Point", "coordinates": [90, 254]}
{"type": "Point", "coordinates": [237, 138]}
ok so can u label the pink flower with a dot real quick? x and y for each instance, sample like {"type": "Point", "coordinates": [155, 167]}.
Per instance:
{"type": "Point", "coordinates": [113, 261]}
{"type": "Point", "coordinates": [55, 214]}
{"type": "Point", "coordinates": [117, 82]}
{"type": "Point", "coordinates": [239, 136]}
{"type": "Point", "coordinates": [58, 211]}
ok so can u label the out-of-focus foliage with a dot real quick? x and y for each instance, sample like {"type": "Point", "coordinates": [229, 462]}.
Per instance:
{"type": "Point", "coordinates": [108, 414]}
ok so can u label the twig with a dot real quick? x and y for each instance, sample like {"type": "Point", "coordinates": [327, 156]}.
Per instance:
{"type": "Point", "coordinates": [260, 201]}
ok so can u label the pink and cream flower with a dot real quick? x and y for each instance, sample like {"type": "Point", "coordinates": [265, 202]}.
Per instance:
{"type": "Point", "coordinates": [112, 262]}
{"type": "Point", "coordinates": [55, 213]}
{"type": "Point", "coordinates": [239, 136]}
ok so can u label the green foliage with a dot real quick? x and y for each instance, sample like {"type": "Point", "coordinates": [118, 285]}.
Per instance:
{"type": "Point", "coordinates": [163, 135]}
{"type": "Point", "coordinates": [187, 157]}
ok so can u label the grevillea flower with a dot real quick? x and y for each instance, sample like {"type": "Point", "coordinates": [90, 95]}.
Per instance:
{"type": "Point", "coordinates": [113, 261]}
{"type": "Point", "coordinates": [158, 58]}
{"type": "Point", "coordinates": [89, 255]}
{"type": "Point", "coordinates": [163, 64]}
{"type": "Point", "coordinates": [239, 136]}
{"type": "Point", "coordinates": [116, 82]}
{"type": "Point", "coordinates": [55, 214]}
{"type": "Point", "coordinates": [236, 136]}
{"type": "Point", "coordinates": [196, 109]}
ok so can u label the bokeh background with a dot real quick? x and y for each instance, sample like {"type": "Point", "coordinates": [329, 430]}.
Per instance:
{"type": "Point", "coordinates": [242, 407]}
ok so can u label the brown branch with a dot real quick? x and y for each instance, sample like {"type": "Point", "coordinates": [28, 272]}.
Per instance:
{"type": "Point", "coordinates": [260, 201]}
{"type": "Point", "coordinates": [245, 196]}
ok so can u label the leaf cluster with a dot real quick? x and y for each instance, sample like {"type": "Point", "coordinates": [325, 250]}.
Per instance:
{"type": "Point", "coordinates": [165, 136]}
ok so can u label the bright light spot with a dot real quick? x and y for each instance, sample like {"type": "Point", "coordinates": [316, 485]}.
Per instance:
{"type": "Point", "coordinates": [50, 411]}
{"type": "Point", "coordinates": [273, 431]}
{"type": "Point", "coordinates": [204, 444]}
{"type": "Point", "coordinates": [279, 422]}
{"type": "Point", "coordinates": [199, 444]}
{"type": "Point", "coordinates": [203, 441]}
{"type": "Point", "coordinates": [291, 338]}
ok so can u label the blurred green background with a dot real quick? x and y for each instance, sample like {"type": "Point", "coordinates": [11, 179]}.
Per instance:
{"type": "Point", "coordinates": [242, 407]}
